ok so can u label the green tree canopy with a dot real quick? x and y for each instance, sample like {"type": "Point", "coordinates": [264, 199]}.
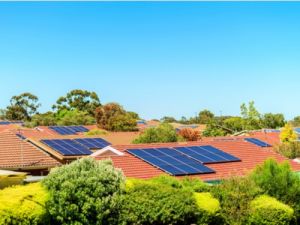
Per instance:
{"type": "Point", "coordinates": [81, 100]}
{"type": "Point", "coordinates": [296, 121]}
{"type": "Point", "coordinates": [205, 116]}
{"type": "Point", "coordinates": [251, 116]}
{"type": "Point", "coordinates": [273, 121]}
{"type": "Point", "coordinates": [22, 107]}
{"type": "Point", "coordinates": [168, 119]}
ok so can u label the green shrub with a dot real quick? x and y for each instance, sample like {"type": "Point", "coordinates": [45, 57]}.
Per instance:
{"type": "Point", "coordinates": [151, 203]}
{"type": "Point", "coordinates": [266, 210]}
{"type": "Point", "coordinates": [208, 209]}
{"type": "Point", "coordinates": [23, 205]}
{"type": "Point", "coordinates": [279, 181]}
{"type": "Point", "coordinates": [163, 133]}
{"type": "Point", "coordinates": [290, 150]}
{"type": "Point", "coordinates": [94, 132]}
{"type": "Point", "coordinates": [84, 192]}
{"type": "Point", "coordinates": [234, 195]}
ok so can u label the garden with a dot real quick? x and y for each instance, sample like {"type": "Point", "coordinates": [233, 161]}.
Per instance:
{"type": "Point", "coordinates": [94, 192]}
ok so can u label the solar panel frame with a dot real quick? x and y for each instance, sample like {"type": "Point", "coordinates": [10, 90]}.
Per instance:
{"type": "Point", "coordinates": [67, 147]}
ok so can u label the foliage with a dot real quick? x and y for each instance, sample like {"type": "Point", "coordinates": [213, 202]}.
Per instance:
{"type": "Point", "coordinates": [2, 114]}
{"type": "Point", "coordinates": [273, 121]}
{"type": "Point", "coordinates": [133, 115]}
{"type": "Point", "coordinates": [296, 121]}
{"type": "Point", "coordinates": [73, 117]}
{"type": "Point", "coordinates": [288, 134]}
{"type": "Point", "coordinates": [7, 180]}
{"type": "Point", "coordinates": [149, 203]}
{"type": "Point", "coordinates": [113, 117]}
{"type": "Point", "coordinates": [205, 116]}
{"type": "Point", "coordinates": [22, 107]}
{"type": "Point", "coordinates": [251, 116]}
{"type": "Point", "coordinates": [189, 134]}
{"type": "Point", "coordinates": [80, 100]}
{"type": "Point", "coordinates": [266, 210]}
{"type": "Point", "coordinates": [44, 119]}
{"type": "Point", "coordinates": [163, 133]}
{"type": "Point", "coordinates": [290, 150]}
{"type": "Point", "coordinates": [23, 205]}
{"type": "Point", "coordinates": [234, 195]}
{"type": "Point", "coordinates": [84, 192]}
{"type": "Point", "coordinates": [235, 124]}
{"type": "Point", "coordinates": [208, 209]}
{"type": "Point", "coordinates": [95, 132]}
{"type": "Point", "coordinates": [168, 119]}
{"type": "Point", "coordinates": [213, 130]}
{"type": "Point", "coordinates": [279, 181]}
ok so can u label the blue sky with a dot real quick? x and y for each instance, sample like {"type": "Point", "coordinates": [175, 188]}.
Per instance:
{"type": "Point", "coordinates": [155, 58]}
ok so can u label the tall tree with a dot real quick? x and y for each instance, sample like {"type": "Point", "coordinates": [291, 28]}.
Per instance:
{"type": "Point", "coordinates": [251, 116]}
{"type": "Point", "coordinates": [81, 100]}
{"type": "Point", "coordinates": [205, 116]}
{"type": "Point", "coordinates": [273, 121]}
{"type": "Point", "coordinates": [296, 121]}
{"type": "Point", "coordinates": [22, 107]}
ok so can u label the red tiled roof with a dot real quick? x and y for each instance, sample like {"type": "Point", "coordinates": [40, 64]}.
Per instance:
{"type": "Point", "coordinates": [250, 155]}
{"type": "Point", "coordinates": [17, 153]}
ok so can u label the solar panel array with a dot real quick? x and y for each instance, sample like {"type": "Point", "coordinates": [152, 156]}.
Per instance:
{"type": "Point", "coordinates": [183, 160]}
{"type": "Point", "coordinates": [10, 122]}
{"type": "Point", "coordinates": [78, 146]}
{"type": "Point", "coordinates": [171, 161]}
{"type": "Point", "coordinates": [258, 142]}
{"type": "Point", "coordinates": [68, 130]}
{"type": "Point", "coordinates": [93, 143]}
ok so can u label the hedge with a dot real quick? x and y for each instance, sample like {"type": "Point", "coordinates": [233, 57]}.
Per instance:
{"type": "Point", "coordinates": [265, 210]}
{"type": "Point", "coordinates": [23, 205]}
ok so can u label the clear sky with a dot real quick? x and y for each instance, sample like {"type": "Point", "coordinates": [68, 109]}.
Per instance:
{"type": "Point", "coordinates": [155, 58]}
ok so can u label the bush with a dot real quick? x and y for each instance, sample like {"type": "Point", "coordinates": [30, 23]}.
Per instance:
{"type": "Point", "coordinates": [278, 180]}
{"type": "Point", "coordinates": [208, 209]}
{"type": "Point", "coordinates": [94, 132]}
{"type": "Point", "coordinates": [152, 203]}
{"type": "Point", "coordinates": [84, 192]}
{"type": "Point", "coordinates": [266, 210]}
{"type": "Point", "coordinates": [234, 195]}
{"type": "Point", "coordinates": [23, 205]}
{"type": "Point", "coordinates": [290, 150]}
{"type": "Point", "coordinates": [189, 134]}
{"type": "Point", "coordinates": [161, 134]}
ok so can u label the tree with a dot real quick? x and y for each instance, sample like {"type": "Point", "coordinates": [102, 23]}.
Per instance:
{"type": "Point", "coordinates": [44, 119]}
{"type": "Point", "coordinates": [168, 119]}
{"type": "Point", "coordinates": [190, 134]}
{"type": "Point", "coordinates": [288, 134]}
{"type": "Point", "coordinates": [81, 100]}
{"type": "Point", "coordinates": [234, 123]}
{"type": "Point", "coordinates": [22, 107]}
{"type": "Point", "coordinates": [273, 121]}
{"type": "Point", "coordinates": [85, 192]}
{"type": "Point", "coordinates": [163, 133]}
{"type": "Point", "coordinates": [205, 116]}
{"type": "Point", "coordinates": [296, 121]}
{"type": "Point", "coordinates": [113, 117]}
{"type": "Point", "coordinates": [74, 117]}
{"type": "Point", "coordinates": [251, 116]}
{"type": "Point", "coordinates": [2, 114]}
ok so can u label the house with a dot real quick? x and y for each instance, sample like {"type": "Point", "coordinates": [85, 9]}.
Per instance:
{"type": "Point", "coordinates": [150, 160]}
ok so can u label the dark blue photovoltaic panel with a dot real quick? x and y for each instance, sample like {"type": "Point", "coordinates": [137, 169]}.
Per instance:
{"type": "Point", "coordinates": [67, 147]}
{"type": "Point", "coordinates": [93, 143]}
{"type": "Point", "coordinates": [170, 161]}
{"type": "Point", "coordinates": [68, 130]}
{"type": "Point", "coordinates": [258, 142]}
{"type": "Point", "coordinates": [21, 136]}
{"type": "Point", "coordinates": [207, 154]}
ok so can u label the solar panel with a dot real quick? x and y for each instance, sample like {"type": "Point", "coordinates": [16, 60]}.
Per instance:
{"type": "Point", "coordinates": [297, 129]}
{"type": "Point", "coordinates": [170, 161]}
{"type": "Point", "coordinates": [68, 130]}
{"type": "Point", "coordinates": [93, 143]}
{"type": "Point", "coordinates": [67, 147]}
{"type": "Point", "coordinates": [207, 154]}
{"type": "Point", "coordinates": [258, 142]}
{"type": "Point", "coordinates": [21, 136]}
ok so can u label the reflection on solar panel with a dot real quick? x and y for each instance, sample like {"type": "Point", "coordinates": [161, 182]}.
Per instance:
{"type": "Point", "coordinates": [67, 147]}
{"type": "Point", "coordinates": [93, 143]}
{"type": "Point", "coordinates": [257, 142]}
{"type": "Point", "coordinates": [207, 154]}
{"type": "Point", "coordinates": [68, 130]}
{"type": "Point", "coordinates": [170, 161]}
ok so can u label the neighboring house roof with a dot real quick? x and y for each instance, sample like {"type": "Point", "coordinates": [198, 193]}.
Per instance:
{"type": "Point", "coordinates": [250, 155]}
{"type": "Point", "coordinates": [16, 153]}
